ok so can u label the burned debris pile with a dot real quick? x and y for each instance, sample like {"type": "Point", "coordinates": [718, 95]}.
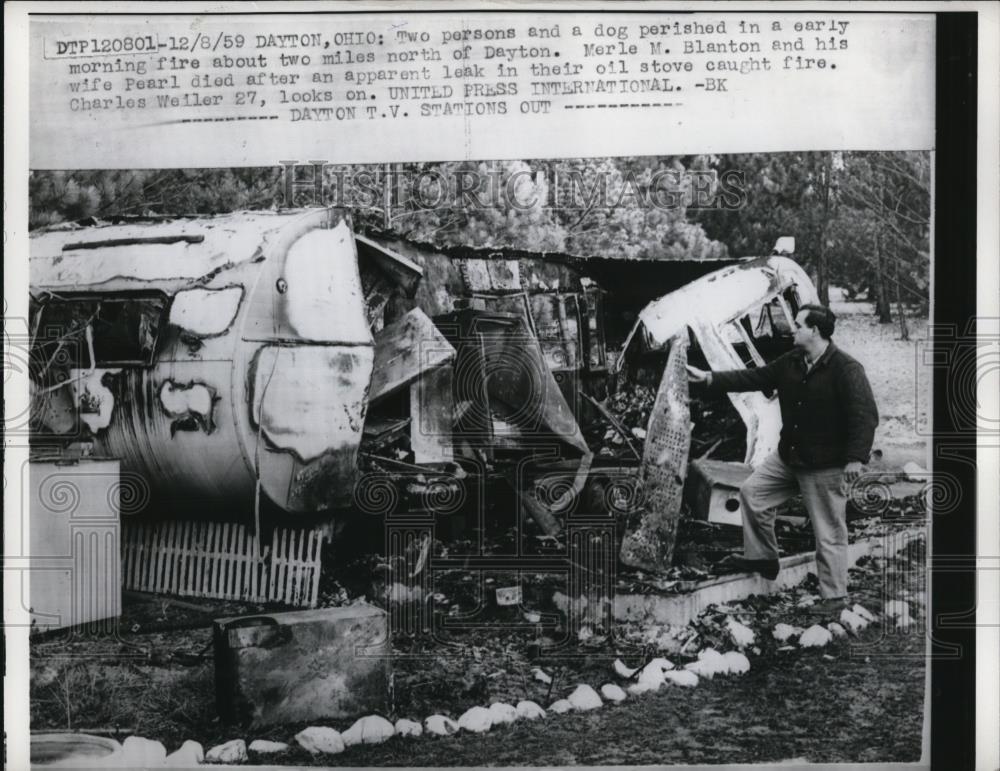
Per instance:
{"type": "Point", "coordinates": [278, 370]}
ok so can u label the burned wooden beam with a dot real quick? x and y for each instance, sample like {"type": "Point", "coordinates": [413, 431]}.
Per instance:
{"type": "Point", "coordinates": [614, 422]}
{"type": "Point", "coordinates": [404, 351]}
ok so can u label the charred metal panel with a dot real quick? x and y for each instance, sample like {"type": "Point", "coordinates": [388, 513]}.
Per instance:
{"type": "Point", "coordinates": [139, 261]}
{"type": "Point", "coordinates": [302, 666]}
{"type": "Point", "coordinates": [310, 399]}
{"type": "Point", "coordinates": [706, 307]}
{"type": "Point", "coordinates": [492, 275]}
{"type": "Point", "coordinates": [556, 318]}
{"type": "Point", "coordinates": [518, 378]}
{"type": "Point", "coordinates": [172, 393]}
{"type": "Point", "coordinates": [309, 403]}
{"type": "Point", "coordinates": [760, 413]}
{"type": "Point", "coordinates": [205, 312]}
{"type": "Point", "coordinates": [406, 349]}
{"type": "Point", "coordinates": [309, 289]}
{"type": "Point", "coordinates": [189, 405]}
{"type": "Point", "coordinates": [543, 273]}
{"type": "Point", "coordinates": [507, 398]}
{"type": "Point", "coordinates": [664, 467]}
{"type": "Point", "coordinates": [412, 354]}
{"type": "Point", "coordinates": [400, 271]}
{"type": "Point", "coordinates": [195, 465]}
{"type": "Point", "coordinates": [432, 416]}
{"type": "Point", "coordinates": [319, 485]}
{"type": "Point", "coordinates": [378, 290]}
{"type": "Point", "coordinates": [442, 278]}
{"type": "Point", "coordinates": [720, 297]}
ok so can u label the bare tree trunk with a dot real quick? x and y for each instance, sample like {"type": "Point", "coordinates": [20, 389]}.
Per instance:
{"type": "Point", "coordinates": [387, 198]}
{"type": "Point", "coordinates": [822, 268]}
{"type": "Point", "coordinates": [904, 330]}
{"type": "Point", "coordinates": [822, 273]}
{"type": "Point", "coordinates": [882, 308]}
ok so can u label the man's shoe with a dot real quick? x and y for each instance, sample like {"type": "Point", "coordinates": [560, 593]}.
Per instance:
{"type": "Point", "coordinates": [769, 569]}
{"type": "Point", "coordinates": [831, 606]}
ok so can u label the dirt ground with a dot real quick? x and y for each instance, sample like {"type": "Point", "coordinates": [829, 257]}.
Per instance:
{"type": "Point", "coordinates": [860, 699]}
{"type": "Point", "coordinates": [900, 376]}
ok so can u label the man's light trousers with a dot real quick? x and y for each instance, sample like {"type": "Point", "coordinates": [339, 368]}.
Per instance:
{"type": "Point", "coordinates": [773, 483]}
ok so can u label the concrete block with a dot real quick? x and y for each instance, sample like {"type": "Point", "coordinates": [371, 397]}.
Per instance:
{"type": "Point", "coordinates": [301, 666]}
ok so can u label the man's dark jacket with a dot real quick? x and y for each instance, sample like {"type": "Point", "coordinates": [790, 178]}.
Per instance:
{"type": "Point", "coordinates": [828, 414]}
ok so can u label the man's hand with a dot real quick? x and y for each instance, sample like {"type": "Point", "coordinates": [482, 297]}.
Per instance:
{"type": "Point", "coordinates": [696, 375]}
{"type": "Point", "coordinates": [851, 473]}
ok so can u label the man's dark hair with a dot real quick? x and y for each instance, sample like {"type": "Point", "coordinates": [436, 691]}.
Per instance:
{"type": "Point", "coordinates": [820, 317]}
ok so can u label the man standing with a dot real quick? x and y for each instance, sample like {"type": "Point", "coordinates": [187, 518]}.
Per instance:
{"type": "Point", "coordinates": [828, 417]}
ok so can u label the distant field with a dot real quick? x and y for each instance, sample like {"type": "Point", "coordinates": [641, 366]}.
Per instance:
{"type": "Point", "coordinates": [899, 378]}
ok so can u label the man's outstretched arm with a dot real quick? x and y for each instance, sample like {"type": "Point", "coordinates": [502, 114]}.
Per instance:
{"type": "Point", "coordinates": [753, 379]}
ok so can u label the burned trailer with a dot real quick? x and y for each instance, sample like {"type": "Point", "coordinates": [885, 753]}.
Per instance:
{"type": "Point", "coordinates": [209, 353]}
{"type": "Point", "coordinates": [527, 332]}
{"type": "Point", "coordinates": [578, 312]}
{"type": "Point", "coordinates": [277, 360]}
{"type": "Point", "coordinates": [740, 316]}
{"type": "Point", "coordinates": [559, 304]}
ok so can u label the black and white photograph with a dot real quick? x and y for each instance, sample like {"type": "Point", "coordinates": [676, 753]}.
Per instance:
{"type": "Point", "coordinates": [426, 457]}
{"type": "Point", "coordinates": [464, 457]}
